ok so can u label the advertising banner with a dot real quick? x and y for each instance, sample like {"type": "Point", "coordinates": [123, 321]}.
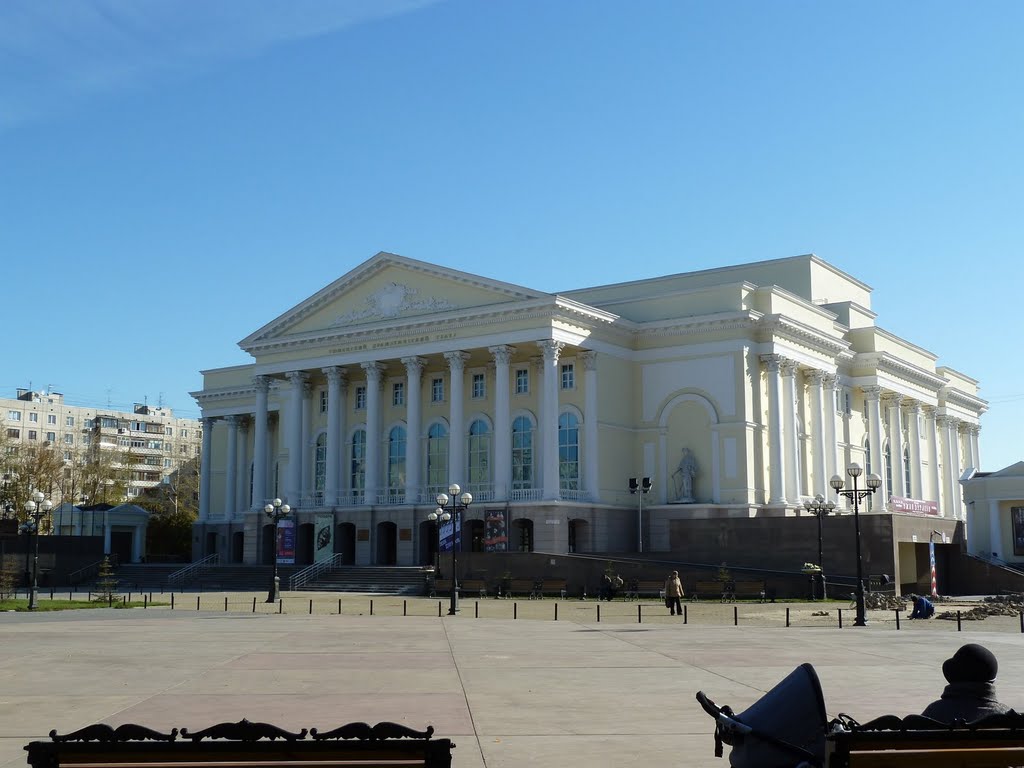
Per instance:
{"type": "Point", "coordinates": [451, 533]}
{"type": "Point", "coordinates": [495, 535]}
{"type": "Point", "coordinates": [286, 542]}
{"type": "Point", "coordinates": [914, 506]}
{"type": "Point", "coordinates": [323, 538]}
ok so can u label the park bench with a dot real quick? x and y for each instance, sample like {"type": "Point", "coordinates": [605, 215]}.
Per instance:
{"type": "Point", "coordinates": [637, 589]}
{"type": "Point", "coordinates": [473, 586]}
{"type": "Point", "coordinates": [707, 590]}
{"type": "Point", "coordinates": [737, 590]}
{"type": "Point", "coordinates": [522, 587]}
{"type": "Point", "coordinates": [543, 587]}
{"type": "Point", "coordinates": [913, 741]}
{"type": "Point", "coordinates": [242, 745]}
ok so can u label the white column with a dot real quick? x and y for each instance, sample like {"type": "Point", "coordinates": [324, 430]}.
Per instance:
{"type": "Point", "coordinates": [204, 472]}
{"type": "Point", "coordinates": [831, 442]}
{"type": "Point", "coordinates": [413, 441]}
{"type": "Point", "coordinates": [895, 403]}
{"type": "Point", "coordinates": [242, 500]}
{"type": "Point", "coordinates": [777, 488]}
{"type": "Point", "coordinates": [934, 491]}
{"type": "Point", "coordinates": [995, 534]}
{"type": "Point", "coordinates": [914, 437]}
{"type": "Point", "coordinates": [335, 439]}
{"type": "Point", "coordinates": [549, 409]}
{"type": "Point", "coordinates": [872, 394]}
{"type": "Point", "coordinates": [974, 429]}
{"type": "Point", "coordinates": [591, 464]}
{"type": "Point", "coordinates": [957, 495]}
{"type": "Point", "coordinates": [231, 473]}
{"type": "Point", "coordinates": [456, 417]}
{"type": "Point", "coordinates": [819, 413]}
{"type": "Point", "coordinates": [293, 483]}
{"type": "Point", "coordinates": [259, 448]}
{"type": "Point", "coordinates": [948, 506]}
{"type": "Point", "coordinates": [306, 455]}
{"type": "Point", "coordinates": [791, 439]}
{"type": "Point", "coordinates": [502, 422]}
{"type": "Point", "coordinates": [374, 383]}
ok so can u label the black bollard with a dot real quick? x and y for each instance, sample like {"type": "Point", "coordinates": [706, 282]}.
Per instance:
{"type": "Point", "coordinates": [439, 609]}
{"type": "Point", "coordinates": [735, 616]}
{"type": "Point", "coordinates": [197, 602]}
{"type": "Point", "coordinates": [172, 601]}
{"type": "Point", "coordinates": [339, 606]}
{"type": "Point", "coordinates": [280, 605]}
{"type": "Point", "coordinates": [897, 620]}
{"type": "Point", "coordinates": [225, 605]}
{"type": "Point", "coordinates": [310, 606]}
{"type": "Point", "coordinates": [254, 605]}
{"type": "Point", "coordinates": [145, 602]}
{"type": "Point", "coordinates": [405, 611]}
{"type": "Point", "coordinates": [476, 610]}
{"type": "Point", "coordinates": [515, 610]}
{"type": "Point", "coordinates": [840, 617]}
{"type": "Point", "coordinates": [686, 618]}
{"type": "Point", "coordinates": [556, 614]}
{"type": "Point", "coordinates": [958, 627]}
{"type": "Point", "coordinates": [639, 616]}
{"type": "Point", "coordinates": [787, 617]}
{"type": "Point", "coordinates": [371, 607]}
{"type": "Point", "coordinates": [598, 613]}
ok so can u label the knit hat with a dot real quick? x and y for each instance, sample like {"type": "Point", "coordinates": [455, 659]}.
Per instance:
{"type": "Point", "coordinates": [973, 663]}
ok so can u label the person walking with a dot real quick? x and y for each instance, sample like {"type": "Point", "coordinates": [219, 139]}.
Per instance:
{"type": "Point", "coordinates": [674, 594]}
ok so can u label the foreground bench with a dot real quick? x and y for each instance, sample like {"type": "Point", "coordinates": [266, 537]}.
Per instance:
{"type": "Point", "coordinates": [707, 590]}
{"type": "Point", "coordinates": [242, 745]}
{"type": "Point", "coordinates": [737, 590]}
{"type": "Point", "coordinates": [916, 741]}
{"type": "Point", "coordinates": [637, 589]}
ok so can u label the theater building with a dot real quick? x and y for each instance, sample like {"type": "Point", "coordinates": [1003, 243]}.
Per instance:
{"type": "Point", "coordinates": [738, 391]}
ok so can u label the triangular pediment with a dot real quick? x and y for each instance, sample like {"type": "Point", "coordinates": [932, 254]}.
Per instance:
{"type": "Point", "coordinates": [390, 288]}
{"type": "Point", "coordinates": [1014, 470]}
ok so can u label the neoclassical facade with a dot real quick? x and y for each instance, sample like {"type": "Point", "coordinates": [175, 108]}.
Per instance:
{"type": "Point", "coordinates": [738, 391]}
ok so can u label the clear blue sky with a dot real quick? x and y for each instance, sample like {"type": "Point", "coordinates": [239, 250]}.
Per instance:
{"type": "Point", "coordinates": [175, 174]}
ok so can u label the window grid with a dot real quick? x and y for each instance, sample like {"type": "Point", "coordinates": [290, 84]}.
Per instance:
{"type": "Point", "coordinates": [360, 398]}
{"type": "Point", "coordinates": [522, 381]}
{"type": "Point", "coordinates": [479, 386]}
{"type": "Point", "coordinates": [522, 453]}
{"type": "Point", "coordinates": [568, 376]}
{"type": "Point", "coordinates": [437, 390]}
{"type": "Point", "coordinates": [398, 393]}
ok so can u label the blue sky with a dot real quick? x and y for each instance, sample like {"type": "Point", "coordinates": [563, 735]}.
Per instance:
{"type": "Point", "coordinates": [159, 161]}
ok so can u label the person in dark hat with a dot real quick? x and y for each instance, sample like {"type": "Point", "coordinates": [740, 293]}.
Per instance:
{"type": "Point", "coordinates": [971, 693]}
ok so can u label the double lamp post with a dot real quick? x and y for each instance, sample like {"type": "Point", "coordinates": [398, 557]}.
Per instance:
{"type": "Point", "coordinates": [449, 506]}
{"type": "Point", "coordinates": [855, 495]}
{"type": "Point", "coordinates": [275, 511]}
{"type": "Point", "coordinates": [35, 508]}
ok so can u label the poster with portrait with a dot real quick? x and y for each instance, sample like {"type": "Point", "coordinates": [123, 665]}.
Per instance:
{"type": "Point", "coordinates": [451, 534]}
{"type": "Point", "coordinates": [1017, 516]}
{"type": "Point", "coordinates": [323, 540]}
{"type": "Point", "coordinates": [495, 535]}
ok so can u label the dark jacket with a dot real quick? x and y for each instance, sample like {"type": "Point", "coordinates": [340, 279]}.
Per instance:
{"type": "Point", "coordinates": [966, 701]}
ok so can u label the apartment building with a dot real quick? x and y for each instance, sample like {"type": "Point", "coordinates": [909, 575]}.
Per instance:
{"type": "Point", "coordinates": [149, 440]}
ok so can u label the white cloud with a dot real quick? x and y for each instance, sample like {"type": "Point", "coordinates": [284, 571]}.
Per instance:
{"type": "Point", "coordinates": [56, 53]}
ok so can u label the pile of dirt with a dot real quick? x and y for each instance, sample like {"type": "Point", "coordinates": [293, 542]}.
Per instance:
{"type": "Point", "coordinates": [884, 601]}
{"type": "Point", "coordinates": [997, 605]}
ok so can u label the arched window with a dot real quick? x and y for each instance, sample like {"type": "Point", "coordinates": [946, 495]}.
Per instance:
{"type": "Point", "coordinates": [357, 469]}
{"type": "Point", "coordinates": [479, 453]}
{"type": "Point", "coordinates": [320, 467]}
{"type": "Point", "coordinates": [396, 460]}
{"type": "Point", "coordinates": [568, 452]}
{"type": "Point", "coordinates": [437, 457]}
{"type": "Point", "coordinates": [522, 453]}
{"type": "Point", "coordinates": [906, 470]}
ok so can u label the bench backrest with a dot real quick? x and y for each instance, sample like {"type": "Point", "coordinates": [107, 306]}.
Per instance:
{"type": "Point", "coordinates": [243, 744]}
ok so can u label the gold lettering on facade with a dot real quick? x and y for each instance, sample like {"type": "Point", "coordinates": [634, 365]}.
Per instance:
{"type": "Point", "coordinates": [388, 343]}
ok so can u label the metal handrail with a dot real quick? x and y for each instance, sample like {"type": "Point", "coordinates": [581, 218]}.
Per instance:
{"type": "Point", "coordinates": [193, 569]}
{"type": "Point", "coordinates": [84, 572]}
{"type": "Point", "coordinates": [306, 575]}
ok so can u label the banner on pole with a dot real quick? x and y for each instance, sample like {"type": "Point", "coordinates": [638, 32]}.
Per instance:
{"type": "Point", "coordinates": [286, 542]}
{"type": "Point", "coordinates": [323, 538]}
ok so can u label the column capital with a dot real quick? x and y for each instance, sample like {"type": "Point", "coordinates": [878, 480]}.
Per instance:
{"type": "Point", "coordinates": [456, 360]}
{"type": "Point", "coordinates": [789, 367]}
{"type": "Point", "coordinates": [929, 411]}
{"type": "Point", "coordinates": [872, 392]}
{"type": "Point", "coordinates": [261, 383]}
{"type": "Point", "coordinates": [208, 424]}
{"type": "Point", "coordinates": [414, 366]}
{"type": "Point", "coordinates": [815, 376]}
{"type": "Point", "coordinates": [893, 399]}
{"type": "Point", "coordinates": [831, 380]}
{"type": "Point", "coordinates": [374, 372]}
{"type": "Point", "coordinates": [975, 429]}
{"type": "Point", "coordinates": [943, 420]}
{"type": "Point", "coordinates": [335, 375]}
{"type": "Point", "coordinates": [231, 421]}
{"type": "Point", "coordinates": [297, 377]}
{"type": "Point", "coordinates": [913, 406]}
{"type": "Point", "coordinates": [589, 359]}
{"type": "Point", "coordinates": [551, 349]}
{"type": "Point", "coordinates": [502, 353]}
{"type": "Point", "coordinates": [773, 362]}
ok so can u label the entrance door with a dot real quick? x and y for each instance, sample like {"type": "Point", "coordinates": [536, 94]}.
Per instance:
{"type": "Point", "coordinates": [211, 543]}
{"type": "Point", "coordinates": [345, 543]}
{"type": "Point", "coordinates": [237, 546]}
{"type": "Point", "coordinates": [267, 545]}
{"type": "Point", "coordinates": [121, 545]}
{"type": "Point", "coordinates": [387, 543]}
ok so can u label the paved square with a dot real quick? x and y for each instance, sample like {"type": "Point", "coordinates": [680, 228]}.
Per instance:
{"type": "Point", "coordinates": [508, 693]}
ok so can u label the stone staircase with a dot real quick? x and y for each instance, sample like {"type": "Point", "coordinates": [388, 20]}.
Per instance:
{"type": "Point", "coordinates": [387, 580]}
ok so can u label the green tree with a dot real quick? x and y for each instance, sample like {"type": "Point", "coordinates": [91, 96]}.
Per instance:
{"type": "Point", "coordinates": [173, 507]}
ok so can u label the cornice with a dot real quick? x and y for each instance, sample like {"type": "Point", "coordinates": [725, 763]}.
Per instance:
{"type": "Point", "coordinates": [883, 361]}
{"type": "Point", "coordinates": [700, 324]}
{"type": "Point", "coordinates": [785, 327]}
{"type": "Point", "coordinates": [970, 402]}
{"type": "Point", "coordinates": [212, 395]}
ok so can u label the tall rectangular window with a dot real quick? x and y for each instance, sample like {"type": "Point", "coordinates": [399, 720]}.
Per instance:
{"type": "Point", "coordinates": [568, 376]}
{"type": "Point", "coordinates": [360, 398]}
{"type": "Point", "coordinates": [69, 421]}
{"type": "Point", "coordinates": [479, 387]}
{"type": "Point", "coordinates": [51, 437]}
{"type": "Point", "coordinates": [33, 417]}
{"type": "Point", "coordinates": [522, 381]}
{"type": "Point", "coordinates": [437, 390]}
{"type": "Point", "coordinates": [51, 418]}
{"type": "Point", "coordinates": [33, 435]}
{"type": "Point", "coordinates": [398, 393]}
{"type": "Point", "coordinates": [323, 401]}
{"type": "Point", "coordinates": [69, 439]}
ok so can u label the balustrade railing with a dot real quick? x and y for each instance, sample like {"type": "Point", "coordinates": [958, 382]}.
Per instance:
{"type": "Point", "coordinates": [307, 575]}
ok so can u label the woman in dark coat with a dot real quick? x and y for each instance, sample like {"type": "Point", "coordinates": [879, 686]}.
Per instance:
{"type": "Point", "coordinates": [971, 693]}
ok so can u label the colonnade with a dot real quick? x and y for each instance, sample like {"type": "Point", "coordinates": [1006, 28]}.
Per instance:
{"type": "Point", "coordinates": [949, 441]}
{"type": "Point", "coordinates": [294, 420]}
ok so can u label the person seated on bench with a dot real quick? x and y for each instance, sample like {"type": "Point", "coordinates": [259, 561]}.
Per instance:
{"type": "Point", "coordinates": [971, 693]}
{"type": "Point", "coordinates": [923, 608]}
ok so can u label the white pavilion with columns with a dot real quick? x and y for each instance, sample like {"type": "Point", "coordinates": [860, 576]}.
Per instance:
{"type": "Point", "coordinates": [370, 397]}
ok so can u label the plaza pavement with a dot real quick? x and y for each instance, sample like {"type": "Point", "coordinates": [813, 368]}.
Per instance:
{"type": "Point", "coordinates": [509, 693]}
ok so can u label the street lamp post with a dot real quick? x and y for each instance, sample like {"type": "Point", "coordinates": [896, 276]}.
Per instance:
{"type": "Point", "coordinates": [36, 507]}
{"type": "Point", "coordinates": [855, 495]}
{"type": "Point", "coordinates": [275, 511]}
{"type": "Point", "coordinates": [819, 507]}
{"type": "Point", "coordinates": [449, 506]}
{"type": "Point", "coordinates": [640, 488]}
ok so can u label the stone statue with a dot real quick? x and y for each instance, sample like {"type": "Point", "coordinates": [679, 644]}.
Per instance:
{"type": "Point", "coordinates": [683, 477]}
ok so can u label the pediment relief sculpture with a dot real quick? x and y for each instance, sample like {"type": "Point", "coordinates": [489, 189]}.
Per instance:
{"type": "Point", "coordinates": [392, 300]}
